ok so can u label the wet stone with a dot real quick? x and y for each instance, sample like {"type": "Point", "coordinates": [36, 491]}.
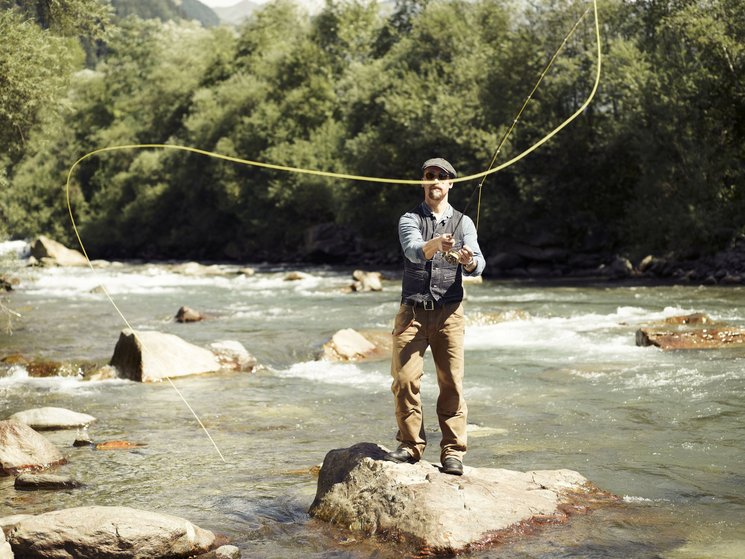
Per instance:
{"type": "Point", "coordinates": [32, 482]}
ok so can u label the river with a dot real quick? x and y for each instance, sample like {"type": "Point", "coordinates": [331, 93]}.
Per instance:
{"type": "Point", "coordinates": [554, 380]}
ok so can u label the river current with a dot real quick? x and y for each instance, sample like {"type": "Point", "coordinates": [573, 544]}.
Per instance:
{"type": "Point", "coordinates": [553, 380]}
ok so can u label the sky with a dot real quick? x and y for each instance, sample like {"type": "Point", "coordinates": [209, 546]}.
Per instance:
{"type": "Point", "coordinates": [220, 3]}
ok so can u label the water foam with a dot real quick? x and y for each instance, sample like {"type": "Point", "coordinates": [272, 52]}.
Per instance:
{"type": "Point", "coordinates": [18, 378]}
{"type": "Point", "coordinates": [21, 249]}
{"type": "Point", "coordinates": [336, 373]}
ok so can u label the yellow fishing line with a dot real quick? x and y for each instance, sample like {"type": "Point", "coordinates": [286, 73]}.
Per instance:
{"type": "Point", "coordinates": [524, 106]}
{"type": "Point", "coordinates": [343, 176]}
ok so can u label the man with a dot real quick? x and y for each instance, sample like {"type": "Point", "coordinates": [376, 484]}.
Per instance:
{"type": "Point", "coordinates": [431, 315]}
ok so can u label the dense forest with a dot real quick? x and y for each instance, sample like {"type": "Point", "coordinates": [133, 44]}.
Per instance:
{"type": "Point", "coordinates": [654, 165]}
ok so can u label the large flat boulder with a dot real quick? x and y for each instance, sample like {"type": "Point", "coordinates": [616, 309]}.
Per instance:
{"type": "Point", "coordinates": [691, 331]}
{"type": "Point", "coordinates": [22, 449]}
{"type": "Point", "coordinates": [153, 356]}
{"type": "Point", "coordinates": [107, 533]}
{"type": "Point", "coordinates": [701, 338]}
{"type": "Point", "coordinates": [437, 512]}
{"type": "Point", "coordinates": [49, 418]}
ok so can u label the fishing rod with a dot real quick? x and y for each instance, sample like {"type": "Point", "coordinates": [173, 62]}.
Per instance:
{"type": "Point", "coordinates": [452, 255]}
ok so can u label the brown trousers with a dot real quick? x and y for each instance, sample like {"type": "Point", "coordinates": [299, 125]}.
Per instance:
{"type": "Point", "coordinates": [442, 331]}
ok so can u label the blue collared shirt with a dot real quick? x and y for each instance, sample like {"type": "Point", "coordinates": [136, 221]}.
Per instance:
{"type": "Point", "coordinates": [412, 242]}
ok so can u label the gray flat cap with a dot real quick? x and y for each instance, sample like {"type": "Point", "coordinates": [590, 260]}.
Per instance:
{"type": "Point", "coordinates": [442, 164]}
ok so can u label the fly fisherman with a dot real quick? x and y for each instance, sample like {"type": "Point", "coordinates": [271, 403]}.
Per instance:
{"type": "Point", "coordinates": [439, 245]}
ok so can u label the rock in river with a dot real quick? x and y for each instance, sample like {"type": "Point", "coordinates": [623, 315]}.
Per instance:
{"type": "Point", "coordinates": [32, 482]}
{"type": "Point", "coordinates": [693, 331]}
{"type": "Point", "coordinates": [22, 448]}
{"type": "Point", "coordinates": [437, 512]}
{"type": "Point", "coordinates": [153, 356]}
{"type": "Point", "coordinates": [113, 532]}
{"type": "Point", "coordinates": [53, 418]}
{"type": "Point", "coordinates": [5, 551]}
{"type": "Point", "coordinates": [350, 345]}
{"type": "Point", "coordinates": [47, 250]}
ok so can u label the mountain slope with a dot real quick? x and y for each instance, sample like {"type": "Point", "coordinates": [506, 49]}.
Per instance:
{"type": "Point", "coordinates": [166, 10]}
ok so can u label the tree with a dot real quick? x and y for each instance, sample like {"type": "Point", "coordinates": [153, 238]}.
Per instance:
{"type": "Point", "coordinates": [37, 59]}
{"type": "Point", "coordinates": [690, 195]}
{"type": "Point", "coordinates": [69, 18]}
{"type": "Point", "coordinates": [34, 70]}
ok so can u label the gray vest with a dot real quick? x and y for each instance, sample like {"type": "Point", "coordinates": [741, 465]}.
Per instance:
{"type": "Point", "coordinates": [434, 280]}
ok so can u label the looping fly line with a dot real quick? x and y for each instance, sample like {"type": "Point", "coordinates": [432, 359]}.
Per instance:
{"type": "Point", "coordinates": [343, 176]}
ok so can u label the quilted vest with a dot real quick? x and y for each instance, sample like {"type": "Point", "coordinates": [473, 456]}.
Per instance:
{"type": "Point", "coordinates": [436, 279]}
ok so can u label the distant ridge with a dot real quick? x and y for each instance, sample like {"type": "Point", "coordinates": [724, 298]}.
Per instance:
{"type": "Point", "coordinates": [194, 9]}
{"type": "Point", "coordinates": [166, 10]}
{"type": "Point", "coordinates": [235, 14]}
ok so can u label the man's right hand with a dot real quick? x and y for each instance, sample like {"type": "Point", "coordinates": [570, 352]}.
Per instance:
{"type": "Point", "coordinates": [443, 243]}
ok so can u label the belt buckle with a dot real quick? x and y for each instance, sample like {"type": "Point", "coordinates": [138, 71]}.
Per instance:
{"type": "Point", "coordinates": [429, 305]}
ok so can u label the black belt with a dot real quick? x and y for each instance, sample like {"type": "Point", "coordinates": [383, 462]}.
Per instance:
{"type": "Point", "coordinates": [426, 305]}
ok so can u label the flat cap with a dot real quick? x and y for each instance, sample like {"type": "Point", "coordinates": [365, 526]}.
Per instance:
{"type": "Point", "coordinates": [442, 164]}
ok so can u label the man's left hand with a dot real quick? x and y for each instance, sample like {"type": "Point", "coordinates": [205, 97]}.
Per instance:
{"type": "Point", "coordinates": [465, 255]}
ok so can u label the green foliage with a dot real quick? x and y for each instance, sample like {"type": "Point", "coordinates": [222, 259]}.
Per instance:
{"type": "Point", "coordinates": [653, 164]}
{"type": "Point", "coordinates": [34, 70]}
{"type": "Point", "coordinates": [693, 145]}
{"type": "Point", "coordinates": [71, 18]}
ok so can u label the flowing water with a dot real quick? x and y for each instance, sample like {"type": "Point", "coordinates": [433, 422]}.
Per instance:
{"type": "Point", "coordinates": [554, 380]}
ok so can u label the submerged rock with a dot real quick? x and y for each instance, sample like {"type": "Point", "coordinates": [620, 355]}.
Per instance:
{"type": "Point", "coordinates": [115, 532]}
{"type": "Point", "coordinates": [31, 482]}
{"type": "Point", "coordinates": [117, 445]}
{"type": "Point", "coordinates": [42, 368]}
{"type": "Point", "coordinates": [437, 512]}
{"type": "Point", "coordinates": [50, 418]}
{"type": "Point", "coordinates": [23, 449]}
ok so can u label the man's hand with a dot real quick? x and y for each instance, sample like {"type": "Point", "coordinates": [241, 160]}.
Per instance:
{"type": "Point", "coordinates": [465, 257]}
{"type": "Point", "coordinates": [443, 243]}
{"type": "Point", "coordinates": [446, 242]}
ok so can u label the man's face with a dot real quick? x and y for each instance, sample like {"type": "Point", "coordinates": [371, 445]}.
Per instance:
{"type": "Point", "coordinates": [437, 183]}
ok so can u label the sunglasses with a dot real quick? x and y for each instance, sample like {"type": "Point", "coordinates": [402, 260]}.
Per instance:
{"type": "Point", "coordinates": [441, 176]}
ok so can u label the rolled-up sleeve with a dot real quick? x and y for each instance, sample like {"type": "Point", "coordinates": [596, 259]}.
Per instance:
{"type": "Point", "coordinates": [470, 238]}
{"type": "Point", "coordinates": [411, 238]}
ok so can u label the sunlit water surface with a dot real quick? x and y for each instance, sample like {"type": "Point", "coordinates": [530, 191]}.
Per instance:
{"type": "Point", "coordinates": [554, 380]}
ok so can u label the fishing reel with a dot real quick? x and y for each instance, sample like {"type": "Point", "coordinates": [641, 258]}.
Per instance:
{"type": "Point", "coordinates": [451, 256]}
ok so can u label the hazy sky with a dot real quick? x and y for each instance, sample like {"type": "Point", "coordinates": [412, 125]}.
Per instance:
{"type": "Point", "coordinates": [216, 3]}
